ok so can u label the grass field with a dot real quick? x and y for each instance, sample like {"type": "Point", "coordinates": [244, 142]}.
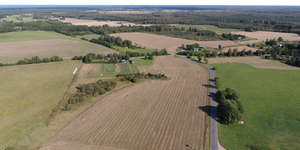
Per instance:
{"type": "Point", "coordinates": [17, 45]}
{"type": "Point", "coordinates": [272, 107]}
{"type": "Point", "coordinates": [28, 94]}
{"type": "Point", "coordinates": [140, 61]}
{"type": "Point", "coordinates": [208, 27]}
{"type": "Point", "coordinates": [18, 18]}
{"type": "Point", "coordinates": [137, 50]}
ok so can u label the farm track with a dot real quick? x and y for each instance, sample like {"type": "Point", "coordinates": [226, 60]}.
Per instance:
{"type": "Point", "coordinates": [152, 115]}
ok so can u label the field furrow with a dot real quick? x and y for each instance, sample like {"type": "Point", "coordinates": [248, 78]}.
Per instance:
{"type": "Point", "coordinates": [157, 114]}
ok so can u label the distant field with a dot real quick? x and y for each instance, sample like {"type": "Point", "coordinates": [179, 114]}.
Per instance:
{"type": "Point", "coordinates": [28, 94]}
{"type": "Point", "coordinates": [17, 45]}
{"type": "Point", "coordinates": [30, 35]}
{"type": "Point", "coordinates": [208, 27]}
{"type": "Point", "coordinates": [153, 41]}
{"type": "Point", "coordinates": [271, 102]}
{"type": "Point", "coordinates": [18, 18]}
{"type": "Point", "coordinates": [138, 50]}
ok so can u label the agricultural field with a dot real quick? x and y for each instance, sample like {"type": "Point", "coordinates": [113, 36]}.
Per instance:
{"type": "Point", "coordinates": [89, 36]}
{"type": "Point", "coordinates": [140, 61]}
{"type": "Point", "coordinates": [254, 61]}
{"type": "Point", "coordinates": [110, 70]}
{"type": "Point", "coordinates": [153, 41]}
{"type": "Point", "coordinates": [28, 94]}
{"type": "Point", "coordinates": [143, 116]}
{"type": "Point", "coordinates": [17, 45]}
{"type": "Point", "coordinates": [207, 27]}
{"type": "Point", "coordinates": [87, 22]}
{"type": "Point", "coordinates": [271, 108]}
{"type": "Point", "coordinates": [19, 18]}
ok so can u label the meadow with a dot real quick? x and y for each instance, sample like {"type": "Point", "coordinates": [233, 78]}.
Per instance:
{"type": "Point", "coordinates": [136, 50]}
{"type": "Point", "coordinates": [111, 70]}
{"type": "Point", "coordinates": [28, 94]}
{"type": "Point", "coordinates": [272, 107]}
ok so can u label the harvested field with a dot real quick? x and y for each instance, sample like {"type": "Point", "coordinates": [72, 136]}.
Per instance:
{"type": "Point", "coordinates": [13, 51]}
{"type": "Point", "coordinates": [153, 41]}
{"type": "Point", "coordinates": [152, 115]}
{"type": "Point", "coordinates": [98, 23]}
{"type": "Point", "coordinates": [263, 35]}
{"type": "Point", "coordinates": [253, 61]}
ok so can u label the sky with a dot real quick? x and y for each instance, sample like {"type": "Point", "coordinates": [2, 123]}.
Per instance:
{"type": "Point", "coordinates": [150, 2]}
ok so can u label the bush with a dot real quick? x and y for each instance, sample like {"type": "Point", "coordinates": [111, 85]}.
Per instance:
{"type": "Point", "coordinates": [136, 76]}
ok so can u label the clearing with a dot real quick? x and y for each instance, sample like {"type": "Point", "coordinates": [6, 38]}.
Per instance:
{"type": "Point", "coordinates": [28, 94]}
{"type": "Point", "coordinates": [254, 61]}
{"type": "Point", "coordinates": [271, 108]}
{"type": "Point", "coordinates": [160, 115]}
{"type": "Point", "coordinates": [17, 45]}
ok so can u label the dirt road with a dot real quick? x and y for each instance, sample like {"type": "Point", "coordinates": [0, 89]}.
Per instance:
{"type": "Point", "coordinates": [153, 115]}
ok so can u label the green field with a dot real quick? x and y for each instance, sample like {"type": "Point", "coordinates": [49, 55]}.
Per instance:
{"type": "Point", "coordinates": [137, 50]}
{"type": "Point", "coordinates": [272, 107]}
{"type": "Point", "coordinates": [140, 61]}
{"type": "Point", "coordinates": [208, 27]}
{"type": "Point", "coordinates": [30, 35]}
{"type": "Point", "coordinates": [28, 94]}
{"type": "Point", "coordinates": [18, 45]}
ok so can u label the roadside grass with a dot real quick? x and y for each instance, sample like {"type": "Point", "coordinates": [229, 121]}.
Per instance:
{"type": "Point", "coordinates": [208, 27]}
{"type": "Point", "coordinates": [30, 35]}
{"type": "Point", "coordinates": [138, 50]}
{"type": "Point", "coordinates": [28, 94]}
{"type": "Point", "coordinates": [140, 61]}
{"type": "Point", "coordinates": [272, 107]}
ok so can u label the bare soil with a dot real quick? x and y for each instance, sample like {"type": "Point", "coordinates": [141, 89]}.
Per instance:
{"type": "Point", "coordinates": [152, 115]}
{"type": "Point", "coordinates": [253, 61]}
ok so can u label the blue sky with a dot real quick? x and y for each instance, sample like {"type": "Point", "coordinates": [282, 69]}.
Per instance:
{"type": "Point", "coordinates": [152, 2]}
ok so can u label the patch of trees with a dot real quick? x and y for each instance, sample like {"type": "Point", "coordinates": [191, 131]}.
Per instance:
{"type": "Point", "coordinates": [133, 77]}
{"type": "Point", "coordinates": [110, 41]}
{"type": "Point", "coordinates": [85, 91]}
{"type": "Point", "coordinates": [37, 60]}
{"type": "Point", "coordinates": [233, 37]}
{"type": "Point", "coordinates": [229, 109]}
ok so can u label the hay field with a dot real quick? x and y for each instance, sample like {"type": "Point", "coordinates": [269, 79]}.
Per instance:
{"type": "Point", "coordinates": [160, 115]}
{"type": "Point", "coordinates": [153, 41]}
{"type": "Point", "coordinates": [17, 45]}
{"type": "Point", "coordinates": [87, 22]}
{"type": "Point", "coordinates": [28, 94]}
{"type": "Point", "coordinates": [254, 61]}
{"type": "Point", "coordinates": [207, 27]}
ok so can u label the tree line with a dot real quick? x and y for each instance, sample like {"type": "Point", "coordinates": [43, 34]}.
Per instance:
{"type": "Point", "coordinates": [133, 77]}
{"type": "Point", "coordinates": [35, 60]}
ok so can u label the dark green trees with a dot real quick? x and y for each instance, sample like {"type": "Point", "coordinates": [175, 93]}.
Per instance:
{"type": "Point", "coordinates": [230, 109]}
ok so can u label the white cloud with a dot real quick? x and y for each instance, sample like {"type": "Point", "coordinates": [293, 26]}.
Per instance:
{"type": "Point", "coordinates": [152, 2]}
